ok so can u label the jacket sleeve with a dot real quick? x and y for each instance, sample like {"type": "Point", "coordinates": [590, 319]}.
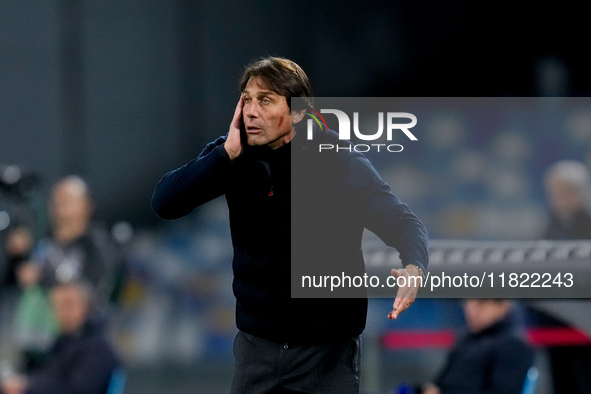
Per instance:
{"type": "Point", "coordinates": [197, 182]}
{"type": "Point", "coordinates": [382, 212]}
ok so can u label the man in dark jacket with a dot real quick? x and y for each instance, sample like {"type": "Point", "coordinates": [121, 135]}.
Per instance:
{"type": "Point", "coordinates": [567, 192]}
{"type": "Point", "coordinates": [82, 359]}
{"type": "Point", "coordinates": [291, 209]}
{"type": "Point", "coordinates": [77, 248]}
{"type": "Point", "coordinates": [492, 358]}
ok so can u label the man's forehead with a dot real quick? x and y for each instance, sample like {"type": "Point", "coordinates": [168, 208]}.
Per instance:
{"type": "Point", "coordinates": [68, 292]}
{"type": "Point", "coordinates": [257, 84]}
{"type": "Point", "coordinates": [71, 187]}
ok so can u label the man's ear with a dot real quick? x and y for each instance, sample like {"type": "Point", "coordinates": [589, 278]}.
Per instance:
{"type": "Point", "coordinates": [297, 116]}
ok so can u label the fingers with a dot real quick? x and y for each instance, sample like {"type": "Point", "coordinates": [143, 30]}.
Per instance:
{"type": "Point", "coordinates": [233, 144]}
{"type": "Point", "coordinates": [400, 305]}
{"type": "Point", "coordinates": [237, 118]}
{"type": "Point", "coordinates": [405, 295]}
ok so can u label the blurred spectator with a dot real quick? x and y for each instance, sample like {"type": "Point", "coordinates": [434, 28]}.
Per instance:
{"type": "Point", "coordinates": [567, 184]}
{"type": "Point", "coordinates": [567, 188]}
{"type": "Point", "coordinates": [82, 359]}
{"type": "Point", "coordinates": [76, 247]}
{"type": "Point", "coordinates": [491, 358]}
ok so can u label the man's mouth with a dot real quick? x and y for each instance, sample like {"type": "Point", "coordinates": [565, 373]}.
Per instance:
{"type": "Point", "coordinates": [252, 129]}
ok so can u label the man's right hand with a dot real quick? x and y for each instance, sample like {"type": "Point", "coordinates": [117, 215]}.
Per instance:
{"type": "Point", "coordinates": [233, 144]}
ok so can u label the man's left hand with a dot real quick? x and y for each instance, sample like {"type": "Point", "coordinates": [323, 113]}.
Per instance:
{"type": "Point", "coordinates": [406, 294]}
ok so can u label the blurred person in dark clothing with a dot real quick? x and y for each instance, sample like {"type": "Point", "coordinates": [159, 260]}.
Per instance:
{"type": "Point", "coordinates": [76, 247]}
{"type": "Point", "coordinates": [492, 358]}
{"type": "Point", "coordinates": [289, 344]}
{"type": "Point", "coordinates": [21, 220]}
{"type": "Point", "coordinates": [19, 244]}
{"type": "Point", "coordinates": [567, 192]}
{"type": "Point", "coordinates": [82, 359]}
{"type": "Point", "coordinates": [567, 187]}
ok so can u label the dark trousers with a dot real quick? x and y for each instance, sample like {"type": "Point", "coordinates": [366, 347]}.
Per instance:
{"type": "Point", "coordinates": [262, 366]}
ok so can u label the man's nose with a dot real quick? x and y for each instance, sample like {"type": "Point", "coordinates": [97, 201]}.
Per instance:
{"type": "Point", "coordinates": [251, 110]}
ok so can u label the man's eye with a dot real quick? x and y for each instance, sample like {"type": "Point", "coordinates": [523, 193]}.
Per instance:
{"type": "Point", "coordinates": [247, 99]}
{"type": "Point", "coordinates": [265, 101]}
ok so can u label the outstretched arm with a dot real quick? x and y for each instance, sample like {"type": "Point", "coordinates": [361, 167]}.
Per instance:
{"type": "Point", "coordinates": [390, 219]}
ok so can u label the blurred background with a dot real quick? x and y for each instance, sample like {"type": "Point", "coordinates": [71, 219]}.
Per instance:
{"type": "Point", "coordinates": [121, 92]}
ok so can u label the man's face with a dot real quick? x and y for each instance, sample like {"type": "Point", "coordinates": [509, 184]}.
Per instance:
{"type": "Point", "coordinates": [69, 202]}
{"type": "Point", "coordinates": [266, 115]}
{"type": "Point", "coordinates": [482, 313]}
{"type": "Point", "coordinates": [71, 308]}
{"type": "Point", "coordinates": [565, 200]}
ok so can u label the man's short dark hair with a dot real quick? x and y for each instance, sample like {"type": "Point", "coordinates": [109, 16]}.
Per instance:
{"type": "Point", "coordinates": [282, 76]}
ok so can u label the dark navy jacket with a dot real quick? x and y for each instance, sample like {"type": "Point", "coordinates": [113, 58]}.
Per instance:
{"type": "Point", "coordinates": [79, 363]}
{"type": "Point", "coordinates": [295, 204]}
{"type": "Point", "coordinates": [492, 361]}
